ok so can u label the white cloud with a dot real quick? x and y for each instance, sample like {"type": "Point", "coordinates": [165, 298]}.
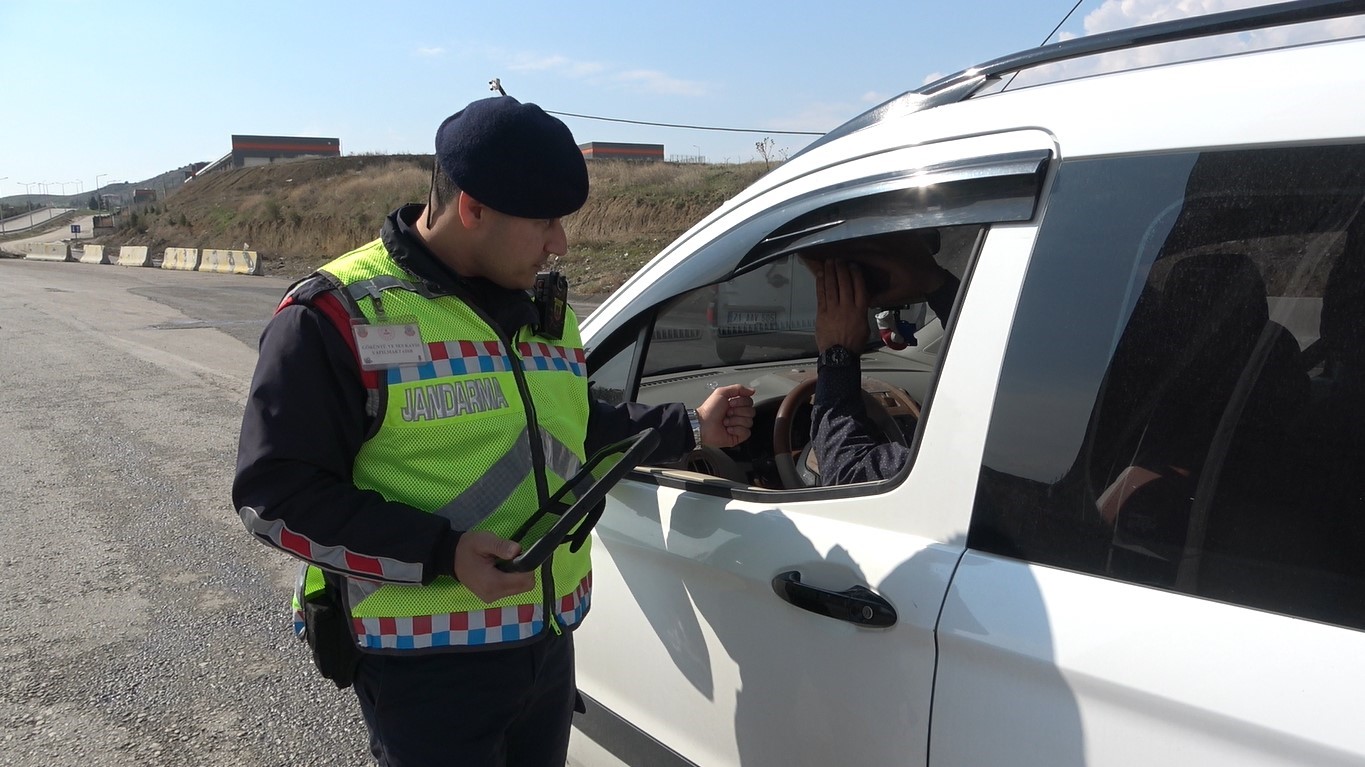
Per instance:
{"type": "Point", "coordinates": [430, 52]}
{"type": "Point", "coordinates": [1124, 14]}
{"type": "Point", "coordinates": [1121, 14]}
{"type": "Point", "coordinates": [873, 97]}
{"type": "Point", "coordinates": [932, 76]}
{"type": "Point", "coordinates": [559, 64]}
{"type": "Point", "coordinates": [816, 116]}
{"type": "Point", "coordinates": [643, 80]}
{"type": "Point", "coordinates": [653, 81]}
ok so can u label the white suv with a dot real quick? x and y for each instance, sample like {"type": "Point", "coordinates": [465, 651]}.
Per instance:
{"type": "Point", "coordinates": [1132, 527]}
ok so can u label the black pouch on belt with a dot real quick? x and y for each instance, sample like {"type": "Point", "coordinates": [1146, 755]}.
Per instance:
{"type": "Point", "coordinates": [325, 625]}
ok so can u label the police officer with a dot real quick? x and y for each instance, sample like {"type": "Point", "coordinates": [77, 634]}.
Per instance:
{"type": "Point", "coordinates": [411, 408]}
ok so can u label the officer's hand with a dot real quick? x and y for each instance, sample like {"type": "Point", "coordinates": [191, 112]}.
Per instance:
{"type": "Point", "coordinates": [727, 416]}
{"type": "Point", "coordinates": [476, 557]}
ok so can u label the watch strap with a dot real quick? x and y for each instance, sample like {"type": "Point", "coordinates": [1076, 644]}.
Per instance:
{"type": "Point", "coordinates": [694, 421]}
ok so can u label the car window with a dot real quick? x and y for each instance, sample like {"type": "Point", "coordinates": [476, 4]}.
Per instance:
{"type": "Point", "coordinates": [609, 379]}
{"type": "Point", "coordinates": [767, 315]}
{"type": "Point", "coordinates": [1180, 404]}
{"type": "Point", "coordinates": [758, 328]}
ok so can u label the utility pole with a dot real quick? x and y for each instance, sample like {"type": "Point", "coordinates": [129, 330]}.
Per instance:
{"type": "Point", "coordinates": [2, 211]}
{"type": "Point", "coordinates": [28, 199]}
{"type": "Point", "coordinates": [99, 176]}
{"type": "Point", "coordinates": [47, 190]}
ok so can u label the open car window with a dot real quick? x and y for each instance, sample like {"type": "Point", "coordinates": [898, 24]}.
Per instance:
{"type": "Point", "coordinates": [758, 329]}
{"type": "Point", "coordinates": [767, 315]}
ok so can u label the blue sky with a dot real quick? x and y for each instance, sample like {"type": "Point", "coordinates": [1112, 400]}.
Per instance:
{"type": "Point", "coordinates": [127, 90]}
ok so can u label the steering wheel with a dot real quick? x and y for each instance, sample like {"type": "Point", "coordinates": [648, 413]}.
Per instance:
{"type": "Point", "coordinates": [884, 404]}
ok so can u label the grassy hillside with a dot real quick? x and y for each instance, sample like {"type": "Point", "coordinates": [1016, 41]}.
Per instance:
{"type": "Point", "coordinates": [299, 215]}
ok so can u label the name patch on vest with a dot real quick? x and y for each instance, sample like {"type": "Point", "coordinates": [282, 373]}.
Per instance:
{"type": "Point", "coordinates": [428, 403]}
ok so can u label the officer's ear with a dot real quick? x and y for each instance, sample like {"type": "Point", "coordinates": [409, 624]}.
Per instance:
{"type": "Point", "coordinates": [472, 212]}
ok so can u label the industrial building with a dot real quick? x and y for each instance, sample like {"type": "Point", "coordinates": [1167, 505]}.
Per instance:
{"type": "Point", "coordinates": [249, 151]}
{"type": "Point", "coordinates": [608, 150]}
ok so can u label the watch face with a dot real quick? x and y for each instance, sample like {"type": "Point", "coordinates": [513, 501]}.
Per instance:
{"type": "Point", "coordinates": [836, 356]}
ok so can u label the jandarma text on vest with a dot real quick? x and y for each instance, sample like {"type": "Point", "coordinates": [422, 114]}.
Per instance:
{"type": "Point", "coordinates": [428, 403]}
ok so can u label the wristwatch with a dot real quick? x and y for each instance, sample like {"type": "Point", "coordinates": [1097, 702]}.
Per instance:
{"type": "Point", "coordinates": [695, 421]}
{"type": "Point", "coordinates": [836, 356]}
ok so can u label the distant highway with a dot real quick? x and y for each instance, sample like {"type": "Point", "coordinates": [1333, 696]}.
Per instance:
{"type": "Point", "coordinates": [55, 234]}
{"type": "Point", "coordinates": [30, 220]}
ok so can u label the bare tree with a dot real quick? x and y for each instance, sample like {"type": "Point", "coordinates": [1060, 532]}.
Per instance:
{"type": "Point", "coordinates": [767, 149]}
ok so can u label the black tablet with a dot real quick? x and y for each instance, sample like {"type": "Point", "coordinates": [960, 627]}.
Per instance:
{"type": "Point", "coordinates": [589, 489]}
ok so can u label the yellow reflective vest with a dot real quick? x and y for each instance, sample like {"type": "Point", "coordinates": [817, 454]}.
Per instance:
{"type": "Point", "coordinates": [481, 434]}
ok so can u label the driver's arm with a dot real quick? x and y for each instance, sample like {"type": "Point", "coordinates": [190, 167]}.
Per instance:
{"type": "Point", "coordinates": [844, 439]}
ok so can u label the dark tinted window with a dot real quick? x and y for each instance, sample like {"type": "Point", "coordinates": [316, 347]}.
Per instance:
{"type": "Point", "coordinates": [1181, 401]}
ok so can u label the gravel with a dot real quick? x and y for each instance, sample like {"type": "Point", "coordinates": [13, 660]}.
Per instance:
{"type": "Point", "coordinates": [141, 625]}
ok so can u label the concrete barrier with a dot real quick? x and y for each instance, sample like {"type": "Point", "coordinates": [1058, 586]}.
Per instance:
{"type": "Point", "coordinates": [134, 255]}
{"type": "Point", "coordinates": [94, 254]}
{"type": "Point", "coordinates": [47, 251]}
{"type": "Point", "coordinates": [230, 261]}
{"type": "Point", "coordinates": [184, 259]}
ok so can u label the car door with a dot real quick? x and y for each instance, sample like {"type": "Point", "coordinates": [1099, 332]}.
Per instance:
{"type": "Point", "coordinates": [1165, 554]}
{"type": "Point", "coordinates": [738, 622]}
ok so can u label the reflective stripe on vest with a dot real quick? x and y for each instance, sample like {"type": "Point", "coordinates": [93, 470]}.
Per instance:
{"type": "Point", "coordinates": [491, 490]}
{"type": "Point", "coordinates": [494, 625]}
{"type": "Point", "coordinates": [457, 440]}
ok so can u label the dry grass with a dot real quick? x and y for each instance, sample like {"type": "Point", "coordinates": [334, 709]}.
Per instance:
{"type": "Point", "coordinates": [300, 215]}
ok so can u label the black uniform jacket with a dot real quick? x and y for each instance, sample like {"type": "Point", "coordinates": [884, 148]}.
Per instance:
{"type": "Point", "coordinates": [305, 421]}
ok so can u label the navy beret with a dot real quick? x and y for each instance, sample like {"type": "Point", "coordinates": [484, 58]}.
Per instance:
{"type": "Point", "coordinates": [514, 158]}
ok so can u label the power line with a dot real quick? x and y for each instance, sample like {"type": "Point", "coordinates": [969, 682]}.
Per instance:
{"type": "Point", "coordinates": [1045, 39]}
{"type": "Point", "coordinates": [1063, 21]}
{"type": "Point", "coordinates": [690, 127]}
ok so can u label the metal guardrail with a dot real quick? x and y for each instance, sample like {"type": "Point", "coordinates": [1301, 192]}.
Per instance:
{"type": "Point", "coordinates": [7, 227]}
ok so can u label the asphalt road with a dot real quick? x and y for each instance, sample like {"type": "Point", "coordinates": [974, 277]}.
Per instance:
{"type": "Point", "coordinates": [140, 624]}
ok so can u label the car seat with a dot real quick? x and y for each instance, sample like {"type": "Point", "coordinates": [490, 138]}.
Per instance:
{"type": "Point", "coordinates": [1328, 544]}
{"type": "Point", "coordinates": [1228, 386]}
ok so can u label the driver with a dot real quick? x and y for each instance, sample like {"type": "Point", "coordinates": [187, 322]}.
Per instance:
{"type": "Point", "coordinates": [886, 270]}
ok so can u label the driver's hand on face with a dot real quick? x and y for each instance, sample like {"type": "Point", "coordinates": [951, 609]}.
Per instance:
{"type": "Point", "coordinates": [902, 277]}
{"type": "Point", "coordinates": [840, 305]}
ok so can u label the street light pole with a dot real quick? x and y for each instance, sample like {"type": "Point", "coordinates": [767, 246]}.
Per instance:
{"type": "Point", "coordinates": [2, 210]}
